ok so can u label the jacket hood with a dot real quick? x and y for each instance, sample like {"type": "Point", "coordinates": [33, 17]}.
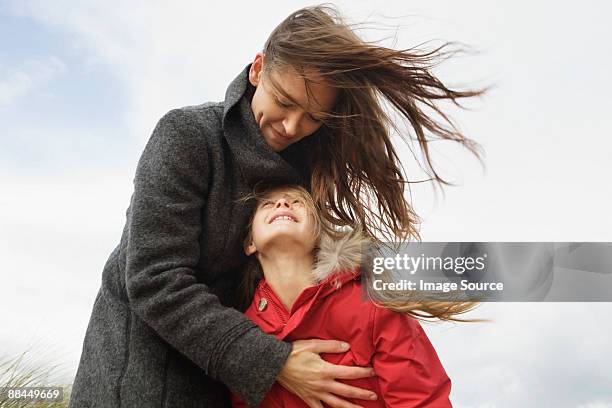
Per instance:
{"type": "Point", "coordinates": [340, 257]}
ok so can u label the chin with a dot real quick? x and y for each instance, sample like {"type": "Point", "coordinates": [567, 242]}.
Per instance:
{"type": "Point", "coordinates": [288, 233]}
{"type": "Point", "coordinates": [276, 148]}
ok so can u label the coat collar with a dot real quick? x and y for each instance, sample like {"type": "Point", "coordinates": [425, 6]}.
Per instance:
{"type": "Point", "coordinates": [252, 153]}
{"type": "Point", "coordinates": [340, 258]}
{"type": "Point", "coordinates": [338, 263]}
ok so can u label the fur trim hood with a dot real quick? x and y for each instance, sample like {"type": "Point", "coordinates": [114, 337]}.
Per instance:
{"type": "Point", "coordinates": [338, 257]}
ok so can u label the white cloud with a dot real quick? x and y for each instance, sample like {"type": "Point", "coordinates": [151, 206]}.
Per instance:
{"type": "Point", "coordinates": [56, 235]}
{"type": "Point", "coordinates": [530, 355]}
{"type": "Point", "coordinates": [596, 404]}
{"type": "Point", "coordinates": [164, 56]}
{"type": "Point", "coordinates": [18, 81]}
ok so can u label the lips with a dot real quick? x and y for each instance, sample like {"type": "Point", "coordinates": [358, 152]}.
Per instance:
{"type": "Point", "coordinates": [283, 215]}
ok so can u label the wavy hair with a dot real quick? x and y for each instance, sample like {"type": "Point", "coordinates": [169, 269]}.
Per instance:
{"type": "Point", "coordinates": [447, 307]}
{"type": "Point", "coordinates": [357, 177]}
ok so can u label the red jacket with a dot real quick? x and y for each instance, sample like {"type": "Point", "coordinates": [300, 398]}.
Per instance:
{"type": "Point", "coordinates": [408, 371]}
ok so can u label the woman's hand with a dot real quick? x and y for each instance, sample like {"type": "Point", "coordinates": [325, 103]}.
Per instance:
{"type": "Point", "coordinates": [313, 379]}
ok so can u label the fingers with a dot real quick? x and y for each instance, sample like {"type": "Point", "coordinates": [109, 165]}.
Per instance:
{"type": "Point", "coordinates": [314, 403]}
{"type": "Point", "coordinates": [331, 370]}
{"type": "Point", "coordinates": [322, 346]}
{"type": "Point", "coordinates": [310, 377]}
{"type": "Point", "coordinates": [336, 402]}
{"type": "Point", "coordinates": [348, 372]}
{"type": "Point", "coordinates": [349, 391]}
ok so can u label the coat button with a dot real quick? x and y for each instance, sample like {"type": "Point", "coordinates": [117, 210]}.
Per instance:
{"type": "Point", "coordinates": [262, 304]}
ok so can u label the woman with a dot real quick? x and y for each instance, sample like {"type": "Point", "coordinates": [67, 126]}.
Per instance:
{"type": "Point", "coordinates": [291, 297]}
{"type": "Point", "coordinates": [306, 111]}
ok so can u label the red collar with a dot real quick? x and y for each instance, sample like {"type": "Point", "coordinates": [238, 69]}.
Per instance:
{"type": "Point", "coordinates": [304, 300]}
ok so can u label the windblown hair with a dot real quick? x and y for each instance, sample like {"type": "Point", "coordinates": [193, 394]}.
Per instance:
{"type": "Point", "coordinates": [410, 304]}
{"type": "Point", "coordinates": [252, 271]}
{"type": "Point", "coordinates": [357, 177]}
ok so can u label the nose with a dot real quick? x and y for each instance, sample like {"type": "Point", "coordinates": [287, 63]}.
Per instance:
{"type": "Point", "coordinates": [292, 124]}
{"type": "Point", "coordinates": [282, 202]}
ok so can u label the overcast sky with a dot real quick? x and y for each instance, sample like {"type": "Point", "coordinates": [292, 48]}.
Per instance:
{"type": "Point", "coordinates": [82, 84]}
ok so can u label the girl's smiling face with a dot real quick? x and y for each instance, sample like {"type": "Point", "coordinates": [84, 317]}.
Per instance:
{"type": "Point", "coordinates": [284, 121]}
{"type": "Point", "coordinates": [283, 218]}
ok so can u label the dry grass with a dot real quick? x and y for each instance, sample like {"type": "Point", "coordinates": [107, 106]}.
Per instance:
{"type": "Point", "coordinates": [21, 371]}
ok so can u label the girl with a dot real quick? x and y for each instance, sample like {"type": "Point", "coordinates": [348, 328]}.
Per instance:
{"type": "Point", "coordinates": [294, 299]}
{"type": "Point", "coordinates": [307, 110]}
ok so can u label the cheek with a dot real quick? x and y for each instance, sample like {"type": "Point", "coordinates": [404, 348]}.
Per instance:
{"type": "Point", "coordinates": [258, 107]}
{"type": "Point", "coordinates": [309, 227]}
{"type": "Point", "coordinates": [273, 113]}
{"type": "Point", "coordinates": [258, 227]}
{"type": "Point", "coordinates": [267, 111]}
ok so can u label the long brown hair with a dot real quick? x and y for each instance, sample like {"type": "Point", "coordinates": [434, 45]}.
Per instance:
{"type": "Point", "coordinates": [357, 177]}
{"type": "Point", "coordinates": [411, 304]}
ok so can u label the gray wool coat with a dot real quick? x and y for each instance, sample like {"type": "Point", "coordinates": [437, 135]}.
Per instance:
{"type": "Point", "coordinates": [161, 332]}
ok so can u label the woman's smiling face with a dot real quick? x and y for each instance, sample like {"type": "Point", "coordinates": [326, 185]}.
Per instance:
{"type": "Point", "coordinates": [284, 121]}
{"type": "Point", "coordinates": [282, 218]}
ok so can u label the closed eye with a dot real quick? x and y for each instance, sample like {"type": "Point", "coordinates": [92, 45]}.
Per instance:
{"type": "Point", "coordinates": [313, 119]}
{"type": "Point", "coordinates": [283, 104]}
{"type": "Point", "coordinates": [288, 105]}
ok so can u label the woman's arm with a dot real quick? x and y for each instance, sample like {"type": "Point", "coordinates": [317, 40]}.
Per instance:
{"type": "Point", "coordinates": [408, 369]}
{"type": "Point", "coordinates": [164, 227]}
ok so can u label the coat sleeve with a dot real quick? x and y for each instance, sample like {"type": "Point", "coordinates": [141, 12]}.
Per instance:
{"type": "Point", "coordinates": [163, 248]}
{"type": "Point", "coordinates": [406, 364]}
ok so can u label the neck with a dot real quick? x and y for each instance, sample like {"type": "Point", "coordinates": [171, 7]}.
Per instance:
{"type": "Point", "coordinates": [288, 272]}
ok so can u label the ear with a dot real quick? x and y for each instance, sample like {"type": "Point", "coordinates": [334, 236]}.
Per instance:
{"type": "Point", "coordinates": [256, 68]}
{"type": "Point", "coordinates": [250, 249]}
